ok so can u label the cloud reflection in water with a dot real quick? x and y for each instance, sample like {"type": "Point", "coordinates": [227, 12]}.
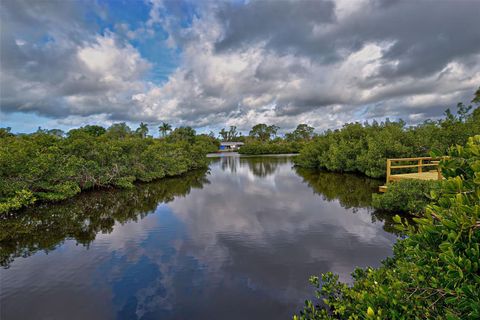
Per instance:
{"type": "Point", "coordinates": [241, 245]}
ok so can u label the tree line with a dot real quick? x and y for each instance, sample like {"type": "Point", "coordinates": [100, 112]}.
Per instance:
{"type": "Point", "coordinates": [263, 139]}
{"type": "Point", "coordinates": [50, 165]}
{"type": "Point", "coordinates": [364, 148]}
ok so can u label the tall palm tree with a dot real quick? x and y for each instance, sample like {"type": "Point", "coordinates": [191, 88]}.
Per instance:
{"type": "Point", "coordinates": [164, 128]}
{"type": "Point", "coordinates": [142, 129]}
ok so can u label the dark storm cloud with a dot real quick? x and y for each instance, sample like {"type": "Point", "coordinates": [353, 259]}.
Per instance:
{"type": "Point", "coordinates": [285, 26]}
{"type": "Point", "coordinates": [419, 39]}
{"type": "Point", "coordinates": [425, 35]}
{"type": "Point", "coordinates": [34, 19]}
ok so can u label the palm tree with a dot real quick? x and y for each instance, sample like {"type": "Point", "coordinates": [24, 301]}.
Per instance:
{"type": "Point", "coordinates": [142, 129]}
{"type": "Point", "coordinates": [164, 128]}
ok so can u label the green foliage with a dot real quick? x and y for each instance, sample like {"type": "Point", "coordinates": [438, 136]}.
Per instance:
{"type": "Point", "coordinates": [272, 147]}
{"type": "Point", "coordinates": [301, 133]}
{"type": "Point", "coordinates": [164, 128]}
{"type": "Point", "coordinates": [45, 166]}
{"type": "Point", "coordinates": [142, 130]}
{"type": "Point", "coordinates": [208, 142]}
{"type": "Point", "coordinates": [435, 270]}
{"type": "Point", "coordinates": [182, 134]}
{"type": "Point", "coordinates": [119, 131]}
{"type": "Point", "coordinates": [21, 198]}
{"type": "Point", "coordinates": [5, 132]}
{"type": "Point", "coordinates": [476, 99]}
{"type": "Point", "coordinates": [364, 148]}
{"type": "Point", "coordinates": [94, 131]}
{"type": "Point", "coordinates": [263, 132]}
{"type": "Point", "coordinates": [260, 140]}
{"type": "Point", "coordinates": [406, 196]}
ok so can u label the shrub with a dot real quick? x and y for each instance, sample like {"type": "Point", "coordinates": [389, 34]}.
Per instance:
{"type": "Point", "coordinates": [405, 196]}
{"type": "Point", "coordinates": [279, 147]}
{"type": "Point", "coordinates": [20, 199]}
{"type": "Point", "coordinates": [434, 272]}
{"type": "Point", "coordinates": [364, 148]}
{"type": "Point", "coordinates": [48, 167]}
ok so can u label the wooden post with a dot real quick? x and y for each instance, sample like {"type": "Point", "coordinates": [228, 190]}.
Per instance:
{"type": "Point", "coordinates": [420, 163]}
{"type": "Point", "coordinates": [389, 164]}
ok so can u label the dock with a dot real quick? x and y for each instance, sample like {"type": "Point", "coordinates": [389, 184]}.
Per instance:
{"type": "Point", "coordinates": [426, 168]}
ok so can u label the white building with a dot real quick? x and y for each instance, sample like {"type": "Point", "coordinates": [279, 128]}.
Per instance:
{"type": "Point", "coordinates": [230, 146]}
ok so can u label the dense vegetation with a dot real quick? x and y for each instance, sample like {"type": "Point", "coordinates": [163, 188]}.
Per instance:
{"type": "Point", "coordinates": [262, 140]}
{"type": "Point", "coordinates": [362, 148]}
{"type": "Point", "coordinates": [406, 196]}
{"type": "Point", "coordinates": [365, 147]}
{"type": "Point", "coordinates": [271, 147]}
{"type": "Point", "coordinates": [51, 166]}
{"type": "Point", "coordinates": [435, 270]}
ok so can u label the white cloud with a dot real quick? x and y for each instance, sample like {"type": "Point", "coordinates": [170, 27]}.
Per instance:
{"type": "Point", "coordinates": [246, 85]}
{"type": "Point", "coordinates": [105, 58]}
{"type": "Point", "coordinates": [323, 69]}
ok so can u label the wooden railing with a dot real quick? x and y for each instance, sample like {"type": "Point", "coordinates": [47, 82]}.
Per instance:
{"type": "Point", "coordinates": [421, 163]}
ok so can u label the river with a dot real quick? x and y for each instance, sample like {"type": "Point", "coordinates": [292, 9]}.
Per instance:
{"type": "Point", "coordinates": [237, 241]}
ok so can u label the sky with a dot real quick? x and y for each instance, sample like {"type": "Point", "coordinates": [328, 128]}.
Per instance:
{"type": "Point", "coordinates": [214, 64]}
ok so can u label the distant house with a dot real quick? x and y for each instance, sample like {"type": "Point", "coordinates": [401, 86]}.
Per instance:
{"type": "Point", "coordinates": [230, 146]}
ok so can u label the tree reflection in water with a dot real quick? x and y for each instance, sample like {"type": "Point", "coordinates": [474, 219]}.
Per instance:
{"type": "Point", "coordinates": [257, 164]}
{"type": "Point", "coordinates": [351, 191]}
{"type": "Point", "coordinates": [83, 217]}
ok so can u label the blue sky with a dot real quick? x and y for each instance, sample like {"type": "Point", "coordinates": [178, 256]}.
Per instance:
{"type": "Point", "coordinates": [153, 47]}
{"type": "Point", "coordinates": [212, 64]}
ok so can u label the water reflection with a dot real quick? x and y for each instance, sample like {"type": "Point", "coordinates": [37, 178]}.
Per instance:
{"type": "Point", "coordinates": [352, 191]}
{"type": "Point", "coordinates": [260, 166]}
{"type": "Point", "coordinates": [82, 218]}
{"type": "Point", "coordinates": [239, 247]}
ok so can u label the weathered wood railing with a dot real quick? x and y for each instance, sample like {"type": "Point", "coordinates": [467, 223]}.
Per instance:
{"type": "Point", "coordinates": [421, 163]}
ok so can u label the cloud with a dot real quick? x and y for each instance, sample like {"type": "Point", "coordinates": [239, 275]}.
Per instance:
{"type": "Point", "coordinates": [275, 61]}
{"type": "Point", "coordinates": [282, 62]}
{"type": "Point", "coordinates": [57, 75]}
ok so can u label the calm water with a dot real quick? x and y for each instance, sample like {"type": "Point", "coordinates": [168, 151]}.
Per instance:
{"type": "Point", "coordinates": [237, 242]}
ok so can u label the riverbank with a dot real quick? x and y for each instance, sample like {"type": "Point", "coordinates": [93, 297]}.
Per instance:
{"type": "Point", "coordinates": [43, 167]}
{"type": "Point", "coordinates": [237, 154]}
{"type": "Point", "coordinates": [270, 147]}
{"type": "Point", "coordinates": [365, 148]}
